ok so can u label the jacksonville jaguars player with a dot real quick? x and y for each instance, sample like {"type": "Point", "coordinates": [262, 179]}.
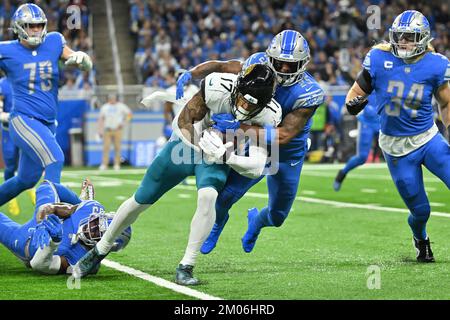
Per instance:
{"type": "Point", "coordinates": [63, 228]}
{"type": "Point", "coordinates": [404, 74]}
{"type": "Point", "coordinates": [31, 65]}
{"type": "Point", "coordinates": [368, 127]}
{"type": "Point", "coordinates": [299, 96]}
{"type": "Point", "coordinates": [249, 97]}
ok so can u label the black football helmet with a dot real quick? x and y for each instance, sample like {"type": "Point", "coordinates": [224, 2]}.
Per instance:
{"type": "Point", "coordinates": [256, 85]}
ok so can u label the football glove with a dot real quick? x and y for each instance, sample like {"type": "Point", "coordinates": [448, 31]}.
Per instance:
{"type": "Point", "coordinates": [355, 105]}
{"type": "Point", "coordinates": [212, 145]}
{"type": "Point", "coordinates": [80, 59]}
{"type": "Point", "coordinates": [54, 227]}
{"type": "Point", "coordinates": [40, 238]}
{"type": "Point", "coordinates": [224, 122]}
{"type": "Point", "coordinates": [181, 82]}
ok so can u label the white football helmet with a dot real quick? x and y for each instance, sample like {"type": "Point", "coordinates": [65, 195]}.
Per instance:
{"type": "Point", "coordinates": [288, 55]}
{"type": "Point", "coordinates": [413, 27]}
{"type": "Point", "coordinates": [26, 15]}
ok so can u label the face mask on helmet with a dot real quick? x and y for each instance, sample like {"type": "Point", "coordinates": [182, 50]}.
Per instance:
{"type": "Point", "coordinates": [252, 92]}
{"type": "Point", "coordinates": [288, 55]}
{"type": "Point", "coordinates": [409, 35]}
{"type": "Point", "coordinates": [30, 24]}
{"type": "Point", "coordinates": [92, 229]}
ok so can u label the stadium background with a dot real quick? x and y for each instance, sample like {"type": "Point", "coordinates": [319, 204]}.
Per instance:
{"type": "Point", "coordinates": [146, 48]}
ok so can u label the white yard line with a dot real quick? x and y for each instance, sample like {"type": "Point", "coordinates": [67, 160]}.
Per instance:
{"type": "Point", "coordinates": [158, 281]}
{"type": "Point", "coordinates": [191, 292]}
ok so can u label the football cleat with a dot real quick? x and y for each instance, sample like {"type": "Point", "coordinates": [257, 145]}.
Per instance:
{"type": "Point", "coordinates": [250, 237]}
{"type": "Point", "coordinates": [184, 276]}
{"type": "Point", "coordinates": [88, 264]}
{"type": "Point", "coordinates": [338, 180]}
{"type": "Point", "coordinates": [423, 249]}
{"type": "Point", "coordinates": [211, 241]}
{"type": "Point", "coordinates": [87, 190]}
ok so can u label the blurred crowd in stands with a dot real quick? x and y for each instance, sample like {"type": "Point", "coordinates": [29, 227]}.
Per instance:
{"type": "Point", "coordinates": [77, 39]}
{"type": "Point", "coordinates": [173, 35]}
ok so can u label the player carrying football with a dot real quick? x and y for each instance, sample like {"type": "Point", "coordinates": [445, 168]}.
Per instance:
{"type": "Point", "coordinates": [299, 96]}
{"type": "Point", "coordinates": [249, 97]}
{"type": "Point", "coordinates": [31, 65]}
{"type": "Point", "coordinates": [405, 74]}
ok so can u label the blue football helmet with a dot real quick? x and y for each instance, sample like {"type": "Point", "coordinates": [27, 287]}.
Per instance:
{"type": "Point", "coordinates": [259, 57]}
{"type": "Point", "coordinates": [26, 15]}
{"type": "Point", "coordinates": [288, 55]}
{"type": "Point", "coordinates": [412, 27]}
{"type": "Point", "coordinates": [91, 229]}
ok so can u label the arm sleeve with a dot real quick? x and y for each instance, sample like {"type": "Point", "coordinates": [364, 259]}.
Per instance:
{"type": "Point", "coordinates": [44, 261]}
{"type": "Point", "coordinates": [252, 166]}
{"type": "Point", "coordinates": [364, 80]}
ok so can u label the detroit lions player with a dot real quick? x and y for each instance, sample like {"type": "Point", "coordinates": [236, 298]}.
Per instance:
{"type": "Point", "coordinates": [51, 246]}
{"type": "Point", "coordinates": [31, 65]}
{"type": "Point", "coordinates": [404, 74]}
{"type": "Point", "coordinates": [299, 95]}
{"type": "Point", "coordinates": [249, 97]}
{"type": "Point", "coordinates": [368, 127]}
{"type": "Point", "coordinates": [9, 150]}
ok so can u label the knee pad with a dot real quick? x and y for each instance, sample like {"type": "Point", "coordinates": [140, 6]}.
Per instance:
{"type": "Point", "coordinates": [421, 212]}
{"type": "Point", "coordinates": [206, 200]}
{"type": "Point", "coordinates": [30, 181]}
{"type": "Point", "coordinates": [407, 188]}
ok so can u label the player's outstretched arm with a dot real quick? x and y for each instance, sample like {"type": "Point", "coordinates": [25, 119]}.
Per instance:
{"type": "Point", "coordinates": [202, 70]}
{"type": "Point", "coordinates": [443, 98]}
{"type": "Point", "coordinates": [78, 58]}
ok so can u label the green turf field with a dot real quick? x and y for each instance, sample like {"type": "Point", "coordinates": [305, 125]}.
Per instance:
{"type": "Point", "coordinates": [323, 251]}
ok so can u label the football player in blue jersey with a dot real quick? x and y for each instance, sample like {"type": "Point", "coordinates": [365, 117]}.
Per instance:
{"type": "Point", "coordinates": [368, 127]}
{"type": "Point", "coordinates": [31, 65]}
{"type": "Point", "coordinates": [9, 150]}
{"type": "Point", "coordinates": [63, 228]}
{"type": "Point", "coordinates": [299, 96]}
{"type": "Point", "coordinates": [404, 74]}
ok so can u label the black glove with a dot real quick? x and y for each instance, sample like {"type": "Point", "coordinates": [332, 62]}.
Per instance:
{"type": "Point", "coordinates": [355, 105]}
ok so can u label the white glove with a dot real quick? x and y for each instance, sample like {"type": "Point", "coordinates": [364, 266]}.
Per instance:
{"type": "Point", "coordinates": [4, 117]}
{"type": "Point", "coordinates": [212, 145]}
{"type": "Point", "coordinates": [81, 59]}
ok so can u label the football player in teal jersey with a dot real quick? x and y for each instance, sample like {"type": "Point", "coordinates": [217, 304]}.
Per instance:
{"type": "Point", "coordinates": [31, 65]}
{"type": "Point", "coordinates": [299, 95]}
{"type": "Point", "coordinates": [405, 74]}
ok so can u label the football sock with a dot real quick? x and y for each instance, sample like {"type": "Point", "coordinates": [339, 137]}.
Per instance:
{"type": "Point", "coordinates": [66, 195]}
{"type": "Point", "coordinates": [418, 227]}
{"type": "Point", "coordinates": [201, 225]}
{"type": "Point", "coordinates": [354, 162]}
{"type": "Point", "coordinates": [263, 218]}
{"type": "Point", "coordinates": [124, 217]}
{"type": "Point", "coordinates": [221, 214]}
{"type": "Point", "coordinates": [53, 172]}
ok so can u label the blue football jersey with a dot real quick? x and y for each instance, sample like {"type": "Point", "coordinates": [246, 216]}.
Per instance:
{"type": "Point", "coordinates": [7, 94]}
{"type": "Point", "coordinates": [34, 75]}
{"type": "Point", "coordinates": [74, 252]}
{"type": "Point", "coordinates": [304, 94]}
{"type": "Point", "coordinates": [404, 91]}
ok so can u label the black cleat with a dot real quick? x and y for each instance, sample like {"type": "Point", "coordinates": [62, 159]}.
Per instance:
{"type": "Point", "coordinates": [185, 277]}
{"type": "Point", "coordinates": [338, 180]}
{"type": "Point", "coordinates": [423, 249]}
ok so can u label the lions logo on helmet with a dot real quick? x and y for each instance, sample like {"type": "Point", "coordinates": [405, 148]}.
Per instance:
{"type": "Point", "coordinates": [26, 15]}
{"type": "Point", "coordinates": [288, 55]}
{"type": "Point", "coordinates": [409, 35]}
